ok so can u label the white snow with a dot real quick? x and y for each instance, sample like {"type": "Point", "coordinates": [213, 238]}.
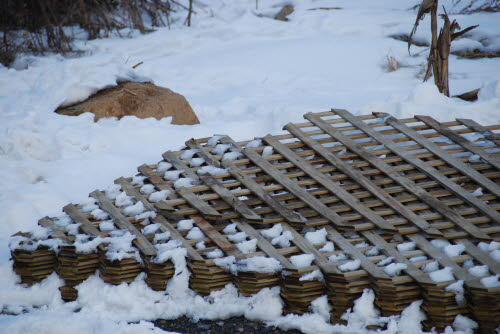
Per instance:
{"type": "Point", "coordinates": [212, 141]}
{"type": "Point", "coordinates": [316, 237]}
{"type": "Point", "coordinates": [385, 261]}
{"type": "Point", "coordinates": [220, 149]}
{"type": "Point", "coordinates": [151, 228]}
{"type": "Point", "coordinates": [244, 75]}
{"type": "Point", "coordinates": [478, 192]}
{"type": "Point", "coordinates": [185, 224]}
{"type": "Point", "coordinates": [106, 225]}
{"type": "Point", "coordinates": [327, 247]}
{"type": "Point", "coordinates": [418, 258]}
{"type": "Point", "coordinates": [247, 247]}
{"type": "Point", "coordinates": [112, 191]}
{"type": "Point", "coordinates": [212, 170]}
{"type": "Point", "coordinates": [145, 215]}
{"type": "Point", "coordinates": [440, 243]}
{"type": "Point", "coordinates": [231, 156]}
{"type": "Point", "coordinates": [458, 289]}
{"type": "Point", "coordinates": [491, 281]}
{"type": "Point", "coordinates": [147, 189]}
{"type": "Point", "coordinates": [161, 236]}
{"type": "Point", "coordinates": [237, 237]}
{"type": "Point", "coordinates": [163, 166]}
{"type": "Point", "coordinates": [337, 257]}
{"type": "Point", "coordinates": [313, 275]}
{"type": "Point", "coordinates": [230, 229]}
{"type": "Point", "coordinates": [138, 180]}
{"type": "Point", "coordinates": [195, 233]}
{"type": "Point", "coordinates": [302, 260]}
{"type": "Point", "coordinates": [260, 264]}
{"type": "Point", "coordinates": [267, 151]}
{"type": "Point", "coordinates": [172, 175]}
{"type": "Point", "coordinates": [216, 253]}
{"type": "Point", "coordinates": [443, 275]}
{"type": "Point", "coordinates": [123, 200]}
{"type": "Point", "coordinates": [479, 270]}
{"type": "Point", "coordinates": [200, 245]}
{"type": "Point", "coordinates": [188, 154]}
{"type": "Point", "coordinates": [394, 269]}
{"type": "Point", "coordinates": [254, 143]}
{"type": "Point", "coordinates": [430, 266]}
{"type": "Point", "coordinates": [134, 210]}
{"type": "Point", "coordinates": [89, 205]}
{"type": "Point", "coordinates": [99, 214]}
{"type": "Point", "coordinates": [406, 246]}
{"type": "Point", "coordinates": [454, 250]}
{"type": "Point", "coordinates": [283, 240]}
{"type": "Point", "coordinates": [495, 255]}
{"type": "Point", "coordinates": [272, 232]}
{"type": "Point", "coordinates": [350, 265]}
{"type": "Point", "coordinates": [158, 196]}
{"type": "Point", "coordinates": [195, 162]}
{"type": "Point", "coordinates": [374, 251]}
{"type": "Point", "coordinates": [183, 182]}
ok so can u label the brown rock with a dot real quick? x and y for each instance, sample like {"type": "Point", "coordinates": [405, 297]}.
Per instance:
{"type": "Point", "coordinates": [140, 99]}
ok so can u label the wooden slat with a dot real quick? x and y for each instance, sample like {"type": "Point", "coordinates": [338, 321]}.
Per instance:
{"type": "Point", "coordinates": [86, 226]}
{"type": "Point", "coordinates": [481, 256]}
{"type": "Point", "coordinates": [391, 172]}
{"type": "Point", "coordinates": [209, 158]}
{"type": "Point", "coordinates": [231, 199]}
{"type": "Point", "coordinates": [347, 247]}
{"type": "Point", "coordinates": [259, 191]}
{"type": "Point", "coordinates": [264, 244]}
{"type": "Point", "coordinates": [476, 127]}
{"type": "Point", "coordinates": [179, 165]}
{"type": "Point", "coordinates": [362, 180]}
{"type": "Point", "coordinates": [215, 236]}
{"type": "Point", "coordinates": [311, 201]}
{"type": "Point", "coordinates": [411, 270]}
{"type": "Point", "coordinates": [203, 207]}
{"type": "Point", "coordinates": [440, 256]}
{"type": "Point", "coordinates": [165, 225]}
{"type": "Point", "coordinates": [452, 161]}
{"type": "Point", "coordinates": [462, 141]}
{"type": "Point", "coordinates": [326, 182]}
{"type": "Point", "coordinates": [121, 221]}
{"type": "Point", "coordinates": [57, 232]}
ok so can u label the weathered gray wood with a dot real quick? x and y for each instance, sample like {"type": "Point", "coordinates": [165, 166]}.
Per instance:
{"type": "Point", "coordinates": [326, 182]}
{"type": "Point", "coordinates": [411, 270]}
{"type": "Point", "coordinates": [121, 221]}
{"type": "Point", "coordinates": [291, 186]}
{"type": "Point", "coordinates": [57, 232]}
{"type": "Point", "coordinates": [362, 180]}
{"type": "Point", "coordinates": [471, 124]}
{"type": "Point", "coordinates": [452, 161]}
{"type": "Point", "coordinates": [481, 256]}
{"type": "Point", "coordinates": [460, 140]}
{"type": "Point", "coordinates": [264, 244]}
{"type": "Point", "coordinates": [209, 158]}
{"type": "Point", "coordinates": [216, 237]}
{"type": "Point", "coordinates": [258, 191]}
{"type": "Point", "coordinates": [392, 173]}
{"type": "Point", "coordinates": [157, 180]}
{"type": "Point", "coordinates": [78, 217]}
{"type": "Point", "coordinates": [165, 225]}
{"type": "Point", "coordinates": [231, 199]}
{"type": "Point", "coordinates": [130, 190]}
{"type": "Point", "coordinates": [308, 248]}
{"type": "Point", "coordinates": [206, 210]}
{"type": "Point", "coordinates": [347, 247]}
{"type": "Point", "coordinates": [180, 165]}
{"type": "Point", "coordinates": [440, 256]}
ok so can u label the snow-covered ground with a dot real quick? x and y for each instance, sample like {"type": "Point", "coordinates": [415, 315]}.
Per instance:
{"type": "Point", "coordinates": [245, 75]}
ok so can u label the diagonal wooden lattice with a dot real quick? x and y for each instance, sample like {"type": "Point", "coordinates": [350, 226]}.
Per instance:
{"type": "Point", "coordinates": [384, 193]}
